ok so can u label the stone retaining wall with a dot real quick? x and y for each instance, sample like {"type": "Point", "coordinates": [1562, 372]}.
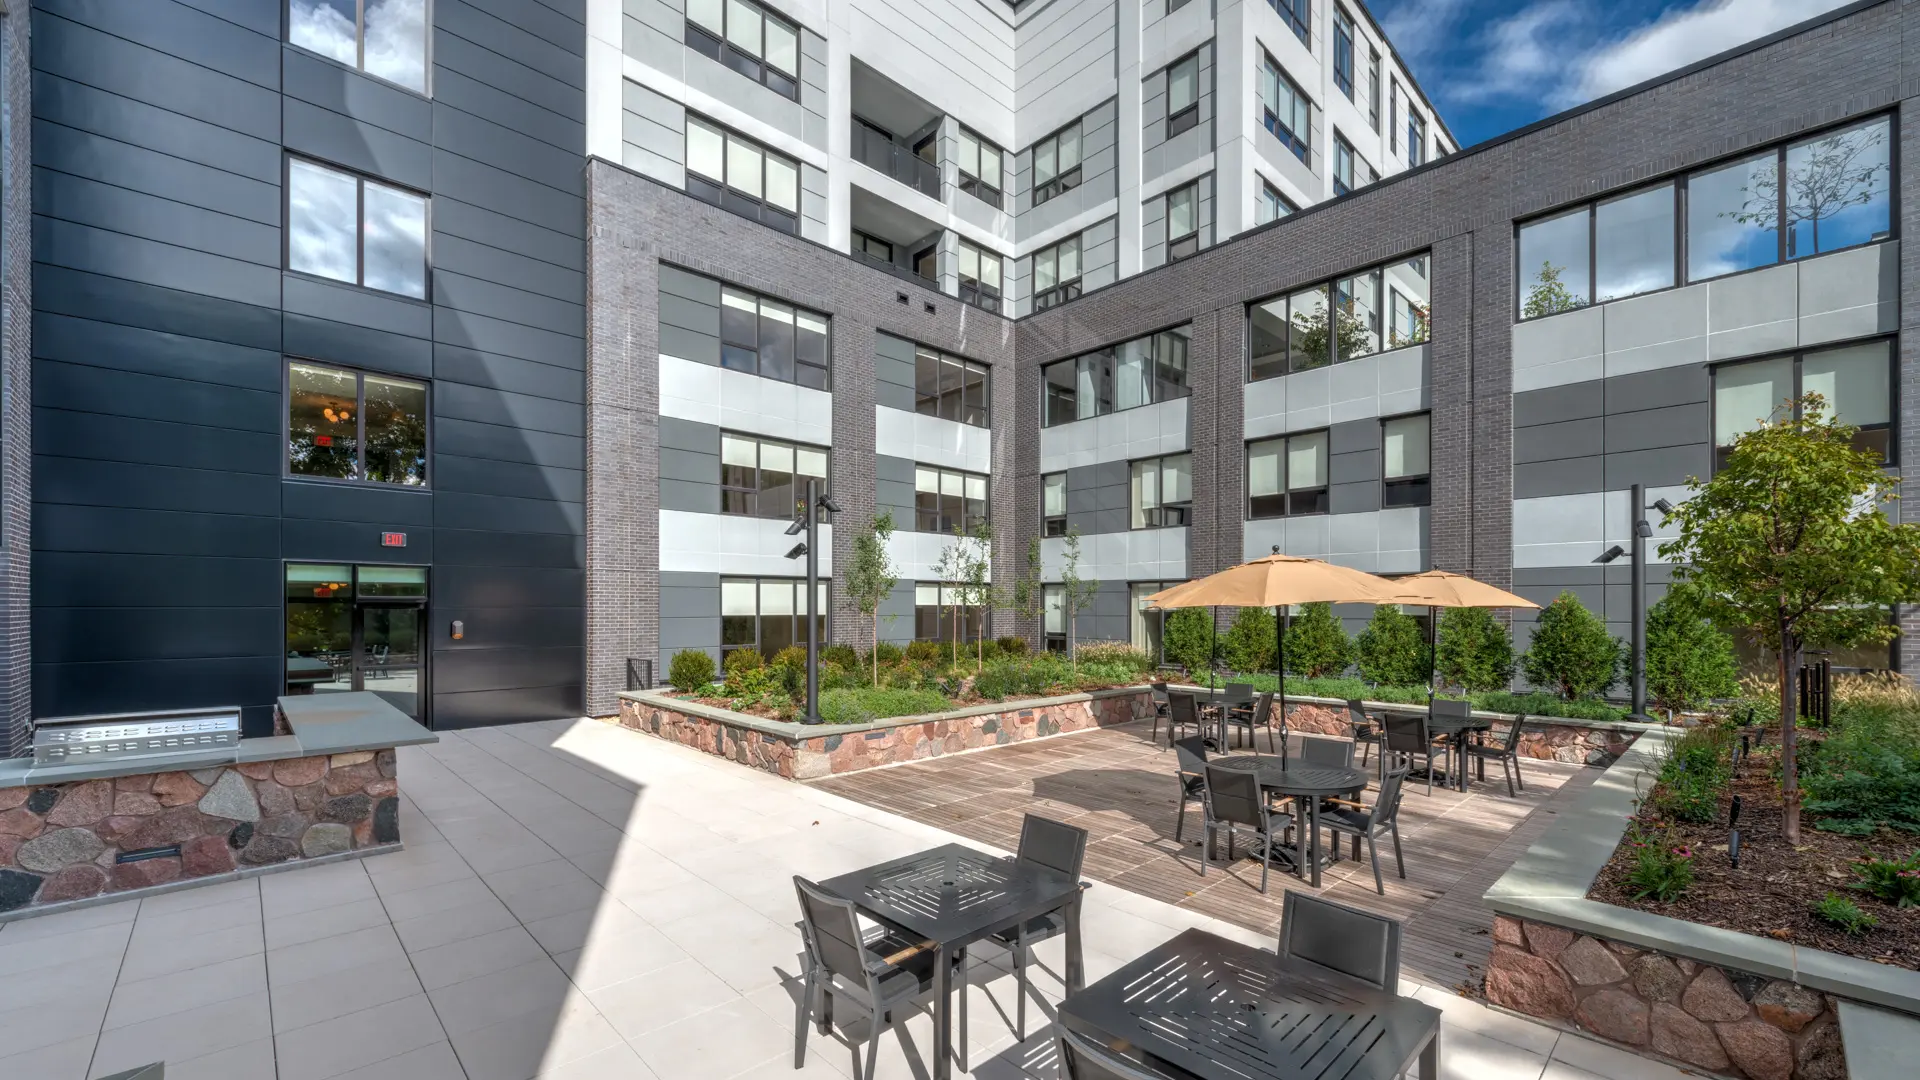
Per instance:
{"type": "Point", "coordinates": [62, 842]}
{"type": "Point", "coordinates": [798, 753]}
{"type": "Point", "coordinates": [1708, 1017]}
{"type": "Point", "coordinates": [1558, 741]}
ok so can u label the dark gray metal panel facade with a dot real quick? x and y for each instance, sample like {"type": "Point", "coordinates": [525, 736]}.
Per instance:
{"type": "Point", "coordinates": [161, 517]}
{"type": "Point", "coordinates": [16, 363]}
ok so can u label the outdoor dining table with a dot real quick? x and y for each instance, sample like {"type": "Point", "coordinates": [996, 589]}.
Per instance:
{"type": "Point", "coordinates": [954, 896]}
{"type": "Point", "coordinates": [1213, 1008]}
{"type": "Point", "coordinates": [1457, 729]}
{"type": "Point", "coordinates": [1217, 703]}
{"type": "Point", "coordinates": [1307, 784]}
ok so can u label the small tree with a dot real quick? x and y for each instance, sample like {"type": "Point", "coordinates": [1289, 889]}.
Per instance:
{"type": "Point", "coordinates": [1188, 638]}
{"type": "Point", "coordinates": [973, 586]}
{"type": "Point", "coordinates": [1317, 643]}
{"type": "Point", "coordinates": [1789, 542]}
{"type": "Point", "coordinates": [1572, 652]}
{"type": "Point", "coordinates": [1391, 651]}
{"type": "Point", "coordinates": [1548, 295]}
{"type": "Point", "coordinates": [870, 577]}
{"type": "Point", "coordinates": [1473, 650]}
{"type": "Point", "coordinates": [1076, 592]}
{"type": "Point", "coordinates": [1247, 646]}
{"type": "Point", "coordinates": [1688, 658]}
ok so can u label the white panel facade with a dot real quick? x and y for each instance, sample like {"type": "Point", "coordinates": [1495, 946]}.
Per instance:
{"type": "Point", "coordinates": [748, 403]}
{"type": "Point", "coordinates": [1140, 555]}
{"type": "Point", "coordinates": [930, 440]}
{"type": "Point", "coordinates": [1385, 384]}
{"type": "Point", "coordinates": [1378, 541]}
{"type": "Point", "coordinates": [1160, 428]}
{"type": "Point", "coordinates": [736, 545]}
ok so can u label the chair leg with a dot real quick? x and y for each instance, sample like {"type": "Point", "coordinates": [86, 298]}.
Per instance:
{"type": "Point", "coordinates": [1517, 778]}
{"type": "Point", "coordinates": [1206, 846]}
{"type": "Point", "coordinates": [1429, 772]}
{"type": "Point", "coordinates": [1270, 743]}
{"type": "Point", "coordinates": [1394, 829]}
{"type": "Point", "coordinates": [1374, 855]}
{"type": "Point", "coordinates": [1180, 816]}
{"type": "Point", "coordinates": [960, 1044]}
{"type": "Point", "coordinates": [1507, 773]}
{"type": "Point", "coordinates": [1266, 863]}
{"type": "Point", "coordinates": [881, 1023]}
{"type": "Point", "coordinates": [802, 1015]}
{"type": "Point", "coordinates": [1020, 991]}
{"type": "Point", "coordinates": [1230, 832]}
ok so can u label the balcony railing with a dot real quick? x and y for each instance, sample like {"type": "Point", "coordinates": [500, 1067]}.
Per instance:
{"type": "Point", "coordinates": [889, 158]}
{"type": "Point", "coordinates": [903, 272]}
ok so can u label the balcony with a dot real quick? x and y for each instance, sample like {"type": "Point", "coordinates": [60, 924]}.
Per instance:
{"type": "Point", "coordinates": [889, 237]}
{"type": "Point", "coordinates": [895, 132]}
{"type": "Point", "coordinates": [878, 151]}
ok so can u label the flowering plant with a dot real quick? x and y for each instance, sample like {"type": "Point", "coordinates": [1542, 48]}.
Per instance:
{"type": "Point", "coordinates": [1661, 870]}
{"type": "Point", "coordinates": [1897, 881]}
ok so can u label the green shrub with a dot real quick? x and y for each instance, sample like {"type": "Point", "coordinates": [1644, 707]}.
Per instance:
{"type": "Point", "coordinates": [1317, 643]}
{"type": "Point", "coordinates": [868, 704]}
{"type": "Point", "coordinates": [1572, 653]}
{"type": "Point", "coordinates": [1247, 645]}
{"type": "Point", "coordinates": [1845, 914]}
{"type": "Point", "coordinates": [1897, 881]}
{"type": "Point", "coordinates": [1188, 638]}
{"type": "Point", "coordinates": [1391, 651]}
{"type": "Point", "coordinates": [1012, 646]}
{"type": "Point", "coordinates": [907, 675]}
{"type": "Point", "coordinates": [1866, 774]}
{"type": "Point", "coordinates": [840, 654]}
{"type": "Point", "coordinates": [1115, 654]}
{"type": "Point", "coordinates": [739, 660]}
{"type": "Point", "coordinates": [1473, 651]}
{"type": "Point", "coordinates": [1695, 774]}
{"type": "Point", "coordinates": [1662, 870]}
{"type": "Point", "coordinates": [927, 652]}
{"type": "Point", "coordinates": [835, 677]}
{"type": "Point", "coordinates": [1748, 711]}
{"type": "Point", "coordinates": [1689, 660]}
{"type": "Point", "coordinates": [886, 651]}
{"type": "Point", "coordinates": [690, 670]}
{"type": "Point", "coordinates": [1539, 703]}
{"type": "Point", "coordinates": [793, 656]}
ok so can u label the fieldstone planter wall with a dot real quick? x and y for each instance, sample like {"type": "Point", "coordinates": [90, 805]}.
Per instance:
{"type": "Point", "coordinates": [64, 842]}
{"type": "Point", "coordinates": [1548, 739]}
{"type": "Point", "coordinates": [808, 752]}
{"type": "Point", "coordinates": [1708, 1017]}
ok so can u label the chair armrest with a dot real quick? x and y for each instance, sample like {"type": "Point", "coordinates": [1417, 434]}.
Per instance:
{"type": "Point", "coordinates": [908, 953]}
{"type": "Point", "coordinates": [1346, 802]}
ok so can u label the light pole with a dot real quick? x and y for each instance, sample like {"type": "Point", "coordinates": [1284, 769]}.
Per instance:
{"type": "Point", "coordinates": [1642, 530]}
{"type": "Point", "coordinates": [808, 522]}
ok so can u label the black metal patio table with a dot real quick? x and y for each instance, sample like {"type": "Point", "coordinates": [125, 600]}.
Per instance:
{"type": "Point", "coordinates": [954, 896]}
{"type": "Point", "coordinates": [1307, 785]}
{"type": "Point", "coordinates": [1204, 1006]}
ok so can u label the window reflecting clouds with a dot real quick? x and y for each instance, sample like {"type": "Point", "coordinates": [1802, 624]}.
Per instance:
{"type": "Point", "coordinates": [396, 247]}
{"type": "Point", "coordinates": [391, 43]}
{"type": "Point", "coordinates": [322, 206]}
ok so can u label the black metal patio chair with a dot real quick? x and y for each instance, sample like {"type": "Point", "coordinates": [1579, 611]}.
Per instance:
{"type": "Point", "coordinates": [1407, 734]}
{"type": "Point", "coordinates": [1322, 937]}
{"type": "Point", "coordinates": [1349, 818]}
{"type": "Point", "coordinates": [1365, 731]}
{"type": "Point", "coordinates": [1183, 712]}
{"type": "Point", "coordinates": [1162, 710]}
{"type": "Point", "coordinates": [1234, 800]}
{"type": "Point", "coordinates": [1260, 715]}
{"type": "Point", "coordinates": [1507, 753]}
{"type": "Point", "coordinates": [1059, 847]}
{"type": "Point", "coordinates": [1192, 774]}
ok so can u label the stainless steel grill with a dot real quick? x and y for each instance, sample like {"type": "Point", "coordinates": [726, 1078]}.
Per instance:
{"type": "Point", "coordinates": [119, 736]}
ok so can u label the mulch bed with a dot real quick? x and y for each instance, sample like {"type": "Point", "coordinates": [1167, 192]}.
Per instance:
{"type": "Point", "coordinates": [1776, 885]}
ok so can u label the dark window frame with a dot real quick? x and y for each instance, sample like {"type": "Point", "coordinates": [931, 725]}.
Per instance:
{"type": "Point", "coordinates": [753, 493]}
{"type": "Point", "coordinates": [972, 617]}
{"type": "Point", "coordinates": [361, 180]}
{"type": "Point", "coordinates": [975, 290]}
{"type": "Point", "coordinates": [1381, 315]}
{"type": "Point", "coordinates": [720, 192]}
{"type": "Point", "coordinates": [1300, 142]}
{"type": "Point", "coordinates": [1284, 204]}
{"type": "Point", "coordinates": [1298, 17]}
{"type": "Point", "coordinates": [1053, 524]}
{"type": "Point", "coordinates": [760, 298]}
{"type": "Point", "coordinates": [799, 615]}
{"type": "Point", "coordinates": [1343, 39]}
{"type": "Point", "coordinates": [1062, 180]}
{"type": "Point", "coordinates": [1321, 495]}
{"type": "Point", "coordinates": [1411, 490]}
{"type": "Point", "coordinates": [1416, 137]}
{"type": "Point", "coordinates": [1187, 244]}
{"type": "Point", "coordinates": [1159, 514]}
{"type": "Point", "coordinates": [1373, 88]}
{"type": "Point", "coordinates": [1797, 358]}
{"type": "Point", "coordinates": [1187, 116]}
{"type": "Point", "coordinates": [942, 524]}
{"type": "Point", "coordinates": [993, 195]}
{"type": "Point", "coordinates": [360, 426]}
{"type": "Point", "coordinates": [360, 47]}
{"type": "Point", "coordinates": [942, 361]}
{"type": "Point", "coordinates": [1153, 383]}
{"type": "Point", "coordinates": [1343, 185]}
{"type": "Point", "coordinates": [1062, 290]}
{"type": "Point", "coordinates": [723, 51]}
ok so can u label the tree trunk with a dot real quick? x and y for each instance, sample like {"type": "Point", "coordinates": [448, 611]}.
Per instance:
{"type": "Point", "coordinates": [1789, 735]}
{"type": "Point", "coordinates": [1073, 644]}
{"type": "Point", "coordinates": [875, 655]}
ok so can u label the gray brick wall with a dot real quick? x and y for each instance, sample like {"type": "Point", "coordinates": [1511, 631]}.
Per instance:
{"type": "Point", "coordinates": [16, 384]}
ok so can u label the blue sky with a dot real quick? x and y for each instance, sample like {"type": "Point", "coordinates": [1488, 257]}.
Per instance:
{"type": "Point", "coordinates": [1495, 65]}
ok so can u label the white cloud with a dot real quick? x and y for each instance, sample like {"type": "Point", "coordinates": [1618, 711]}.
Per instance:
{"type": "Point", "coordinates": [1523, 52]}
{"type": "Point", "coordinates": [1678, 38]}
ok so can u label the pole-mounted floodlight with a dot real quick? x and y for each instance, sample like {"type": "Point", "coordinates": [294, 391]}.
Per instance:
{"type": "Point", "coordinates": [1641, 529]}
{"type": "Point", "coordinates": [808, 522]}
{"type": "Point", "coordinates": [1611, 554]}
{"type": "Point", "coordinates": [827, 504]}
{"type": "Point", "coordinates": [797, 551]}
{"type": "Point", "coordinates": [1637, 659]}
{"type": "Point", "coordinates": [1663, 506]}
{"type": "Point", "coordinates": [799, 526]}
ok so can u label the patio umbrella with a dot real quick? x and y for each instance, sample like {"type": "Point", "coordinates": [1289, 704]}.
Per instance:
{"type": "Point", "coordinates": [1441, 588]}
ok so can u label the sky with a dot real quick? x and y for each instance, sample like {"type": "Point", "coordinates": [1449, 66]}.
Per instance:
{"type": "Point", "coordinates": [1494, 65]}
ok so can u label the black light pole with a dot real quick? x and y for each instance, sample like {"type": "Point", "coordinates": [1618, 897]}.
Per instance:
{"type": "Point", "coordinates": [1641, 530]}
{"type": "Point", "coordinates": [808, 522]}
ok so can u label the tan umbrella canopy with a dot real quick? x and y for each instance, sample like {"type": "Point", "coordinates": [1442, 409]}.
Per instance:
{"type": "Point", "coordinates": [1441, 588]}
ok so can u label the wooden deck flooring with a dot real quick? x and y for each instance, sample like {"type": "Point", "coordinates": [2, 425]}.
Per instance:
{"type": "Point", "coordinates": [1120, 787]}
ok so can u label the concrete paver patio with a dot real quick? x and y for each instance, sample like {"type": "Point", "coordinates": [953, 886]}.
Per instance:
{"type": "Point", "coordinates": [574, 901]}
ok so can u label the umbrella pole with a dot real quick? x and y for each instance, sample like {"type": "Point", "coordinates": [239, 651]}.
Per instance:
{"type": "Point", "coordinates": [1433, 654]}
{"type": "Point", "coordinates": [1281, 612]}
{"type": "Point", "coordinates": [1213, 643]}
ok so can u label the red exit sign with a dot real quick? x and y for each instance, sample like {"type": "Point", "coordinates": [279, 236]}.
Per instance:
{"type": "Point", "coordinates": [393, 539]}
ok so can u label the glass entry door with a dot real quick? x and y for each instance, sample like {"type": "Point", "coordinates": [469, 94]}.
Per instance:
{"type": "Point", "coordinates": [357, 628]}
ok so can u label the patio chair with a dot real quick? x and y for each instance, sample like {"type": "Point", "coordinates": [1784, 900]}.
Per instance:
{"type": "Point", "coordinates": [1407, 734]}
{"type": "Point", "coordinates": [1192, 752]}
{"type": "Point", "coordinates": [1161, 711]}
{"type": "Point", "coordinates": [1059, 847]}
{"type": "Point", "coordinates": [1365, 732]}
{"type": "Point", "coordinates": [880, 975]}
{"type": "Point", "coordinates": [1349, 818]}
{"type": "Point", "coordinates": [1507, 753]}
{"type": "Point", "coordinates": [1182, 712]}
{"type": "Point", "coordinates": [1450, 709]}
{"type": "Point", "coordinates": [1322, 937]}
{"type": "Point", "coordinates": [1234, 800]}
{"type": "Point", "coordinates": [1325, 750]}
{"type": "Point", "coordinates": [1083, 1059]}
{"type": "Point", "coordinates": [1255, 718]}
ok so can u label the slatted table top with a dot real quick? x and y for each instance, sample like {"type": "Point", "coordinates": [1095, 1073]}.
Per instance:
{"type": "Point", "coordinates": [1292, 776]}
{"type": "Point", "coordinates": [953, 894]}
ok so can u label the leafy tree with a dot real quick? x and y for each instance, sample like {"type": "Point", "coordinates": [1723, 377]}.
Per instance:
{"type": "Point", "coordinates": [1247, 646]}
{"type": "Point", "coordinates": [1317, 643]}
{"type": "Point", "coordinates": [1688, 658]}
{"type": "Point", "coordinates": [1548, 295]}
{"type": "Point", "coordinates": [871, 576]}
{"type": "Point", "coordinates": [1310, 331]}
{"type": "Point", "coordinates": [1790, 542]}
{"type": "Point", "coordinates": [1844, 169]}
{"type": "Point", "coordinates": [973, 583]}
{"type": "Point", "coordinates": [1473, 651]}
{"type": "Point", "coordinates": [1572, 651]}
{"type": "Point", "coordinates": [1420, 331]}
{"type": "Point", "coordinates": [1391, 651]}
{"type": "Point", "coordinates": [1029, 595]}
{"type": "Point", "coordinates": [1188, 638]}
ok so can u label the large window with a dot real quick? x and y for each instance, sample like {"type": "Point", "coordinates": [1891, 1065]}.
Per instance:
{"type": "Point", "coordinates": [766, 477]}
{"type": "Point", "coordinates": [346, 227]}
{"type": "Point", "coordinates": [979, 276]}
{"type": "Point", "coordinates": [1416, 137]}
{"type": "Point", "coordinates": [1149, 624]}
{"type": "Point", "coordinates": [1270, 204]}
{"type": "Point", "coordinates": [950, 388]}
{"type": "Point", "coordinates": [1161, 492]}
{"type": "Point", "coordinates": [1405, 442]}
{"type": "Point", "coordinates": [1183, 94]}
{"type": "Point", "coordinates": [1053, 504]}
{"type": "Point", "coordinates": [1393, 114]}
{"type": "Point", "coordinates": [768, 614]}
{"type": "Point", "coordinates": [1373, 88]}
{"type": "Point", "coordinates": [749, 39]}
{"type": "Point", "coordinates": [1336, 321]}
{"type": "Point", "coordinates": [1343, 51]}
{"type": "Point", "coordinates": [1856, 382]}
{"type": "Point", "coordinates": [937, 610]}
{"type": "Point", "coordinates": [1056, 273]}
{"type": "Point", "coordinates": [738, 174]}
{"type": "Point", "coordinates": [1837, 194]}
{"type": "Point", "coordinates": [1056, 163]}
{"type": "Point", "coordinates": [1344, 169]}
{"type": "Point", "coordinates": [1287, 476]}
{"type": "Point", "coordinates": [351, 425]}
{"type": "Point", "coordinates": [946, 499]}
{"type": "Point", "coordinates": [1125, 376]}
{"type": "Point", "coordinates": [774, 340]}
{"type": "Point", "coordinates": [384, 38]}
{"type": "Point", "coordinates": [1284, 109]}
{"type": "Point", "coordinates": [1296, 14]}
{"type": "Point", "coordinates": [1183, 221]}
{"type": "Point", "coordinates": [1053, 603]}
{"type": "Point", "coordinates": [980, 168]}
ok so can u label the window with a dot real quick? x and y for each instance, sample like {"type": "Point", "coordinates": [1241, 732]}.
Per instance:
{"type": "Point", "coordinates": [979, 276]}
{"type": "Point", "coordinates": [1056, 163]}
{"type": "Point", "coordinates": [1343, 170]}
{"type": "Point", "coordinates": [1343, 51]}
{"type": "Point", "coordinates": [350, 425]}
{"type": "Point", "coordinates": [1296, 14]}
{"type": "Point", "coordinates": [1149, 624]}
{"type": "Point", "coordinates": [1183, 94]}
{"type": "Point", "coordinates": [384, 38]}
{"type": "Point", "coordinates": [348, 228]}
{"type": "Point", "coordinates": [774, 340]}
{"type": "Point", "coordinates": [945, 500]}
{"type": "Point", "coordinates": [749, 39]}
{"type": "Point", "coordinates": [1405, 443]}
{"type": "Point", "coordinates": [1053, 602]}
{"type": "Point", "coordinates": [1856, 381]}
{"type": "Point", "coordinates": [1284, 110]}
{"type": "Point", "coordinates": [1056, 274]}
{"type": "Point", "coordinates": [1183, 221]}
{"type": "Point", "coordinates": [1139, 372]}
{"type": "Point", "coordinates": [767, 478]}
{"type": "Point", "coordinates": [1373, 88]}
{"type": "Point", "coordinates": [1271, 204]}
{"type": "Point", "coordinates": [936, 610]}
{"type": "Point", "coordinates": [740, 175]}
{"type": "Point", "coordinates": [872, 248]}
{"type": "Point", "coordinates": [949, 387]}
{"type": "Point", "coordinates": [1161, 494]}
{"type": "Point", "coordinates": [926, 263]}
{"type": "Point", "coordinates": [1287, 476]}
{"type": "Point", "coordinates": [1610, 249]}
{"type": "Point", "coordinates": [1556, 271]}
{"type": "Point", "coordinates": [1053, 504]}
{"type": "Point", "coordinates": [768, 614]}
{"type": "Point", "coordinates": [980, 168]}
{"type": "Point", "coordinates": [1393, 115]}
{"type": "Point", "coordinates": [1416, 137]}
{"type": "Point", "coordinates": [1336, 321]}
